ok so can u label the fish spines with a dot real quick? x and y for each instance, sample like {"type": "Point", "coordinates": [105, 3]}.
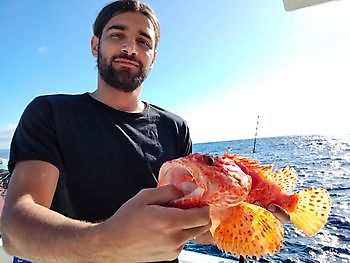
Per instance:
{"type": "Point", "coordinates": [250, 231]}
{"type": "Point", "coordinates": [312, 211]}
{"type": "Point", "coordinates": [286, 178]}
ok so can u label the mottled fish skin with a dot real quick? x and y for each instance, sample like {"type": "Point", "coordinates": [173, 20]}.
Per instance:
{"type": "Point", "coordinates": [265, 191]}
{"type": "Point", "coordinates": [216, 181]}
{"type": "Point", "coordinates": [231, 185]}
{"type": "Point", "coordinates": [308, 209]}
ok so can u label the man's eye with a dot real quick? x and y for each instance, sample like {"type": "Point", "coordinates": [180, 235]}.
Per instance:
{"type": "Point", "coordinates": [116, 35]}
{"type": "Point", "coordinates": [144, 43]}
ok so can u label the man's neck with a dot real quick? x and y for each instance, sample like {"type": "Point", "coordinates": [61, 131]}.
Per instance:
{"type": "Point", "coordinates": [120, 100]}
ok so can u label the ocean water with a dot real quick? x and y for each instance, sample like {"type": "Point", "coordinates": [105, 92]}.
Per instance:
{"type": "Point", "coordinates": [320, 161]}
{"type": "Point", "coordinates": [4, 154]}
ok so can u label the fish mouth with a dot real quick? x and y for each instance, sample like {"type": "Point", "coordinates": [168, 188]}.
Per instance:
{"type": "Point", "coordinates": [182, 177]}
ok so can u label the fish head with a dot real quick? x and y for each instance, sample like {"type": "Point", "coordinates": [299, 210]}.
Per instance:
{"type": "Point", "coordinates": [205, 180]}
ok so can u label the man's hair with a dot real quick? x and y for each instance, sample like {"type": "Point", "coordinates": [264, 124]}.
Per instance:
{"type": "Point", "coordinates": [122, 6]}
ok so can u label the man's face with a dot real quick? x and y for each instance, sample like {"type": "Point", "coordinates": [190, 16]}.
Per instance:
{"type": "Point", "coordinates": [126, 51]}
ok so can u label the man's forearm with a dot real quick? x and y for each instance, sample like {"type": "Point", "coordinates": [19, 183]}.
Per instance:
{"type": "Point", "coordinates": [36, 233]}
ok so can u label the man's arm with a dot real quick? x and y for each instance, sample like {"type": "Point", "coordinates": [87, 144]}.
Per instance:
{"type": "Point", "coordinates": [29, 229]}
{"type": "Point", "coordinates": [141, 230]}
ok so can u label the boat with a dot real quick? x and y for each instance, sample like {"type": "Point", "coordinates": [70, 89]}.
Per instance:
{"type": "Point", "coordinates": [195, 257]}
{"type": "Point", "coordinates": [184, 257]}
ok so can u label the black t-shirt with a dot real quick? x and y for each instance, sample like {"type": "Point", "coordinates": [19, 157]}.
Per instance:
{"type": "Point", "coordinates": [104, 156]}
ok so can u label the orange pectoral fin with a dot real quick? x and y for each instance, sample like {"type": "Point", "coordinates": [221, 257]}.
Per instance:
{"type": "Point", "coordinates": [249, 230]}
{"type": "Point", "coordinates": [312, 210]}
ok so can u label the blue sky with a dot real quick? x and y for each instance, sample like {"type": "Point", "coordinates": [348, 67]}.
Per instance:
{"type": "Point", "coordinates": [218, 65]}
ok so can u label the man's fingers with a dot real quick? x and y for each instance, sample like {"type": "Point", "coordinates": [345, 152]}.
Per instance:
{"type": "Point", "coordinates": [279, 212]}
{"type": "Point", "coordinates": [258, 204]}
{"type": "Point", "coordinates": [194, 217]}
{"type": "Point", "coordinates": [193, 233]}
{"type": "Point", "coordinates": [157, 200]}
{"type": "Point", "coordinates": [160, 195]}
{"type": "Point", "coordinates": [185, 218]}
{"type": "Point", "coordinates": [205, 238]}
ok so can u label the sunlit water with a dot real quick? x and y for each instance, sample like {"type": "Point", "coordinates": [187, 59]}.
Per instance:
{"type": "Point", "coordinates": [320, 161]}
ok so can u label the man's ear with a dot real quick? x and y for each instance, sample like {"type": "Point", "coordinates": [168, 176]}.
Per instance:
{"type": "Point", "coordinates": [94, 45]}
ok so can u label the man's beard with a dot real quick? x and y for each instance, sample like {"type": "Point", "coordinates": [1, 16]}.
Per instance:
{"type": "Point", "coordinates": [122, 79]}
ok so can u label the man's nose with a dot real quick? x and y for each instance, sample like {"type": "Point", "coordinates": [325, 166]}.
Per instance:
{"type": "Point", "coordinates": [129, 47]}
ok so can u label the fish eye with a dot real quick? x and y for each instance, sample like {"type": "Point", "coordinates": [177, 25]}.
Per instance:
{"type": "Point", "coordinates": [208, 159]}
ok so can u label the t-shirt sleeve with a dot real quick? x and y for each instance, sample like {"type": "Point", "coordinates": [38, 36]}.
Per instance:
{"type": "Point", "coordinates": [35, 136]}
{"type": "Point", "coordinates": [186, 144]}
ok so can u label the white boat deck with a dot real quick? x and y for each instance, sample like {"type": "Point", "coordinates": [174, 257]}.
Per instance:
{"type": "Point", "coordinates": [194, 257]}
{"type": "Point", "coordinates": [185, 257]}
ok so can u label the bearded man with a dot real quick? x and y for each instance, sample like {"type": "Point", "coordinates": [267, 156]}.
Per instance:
{"type": "Point", "coordinates": [84, 167]}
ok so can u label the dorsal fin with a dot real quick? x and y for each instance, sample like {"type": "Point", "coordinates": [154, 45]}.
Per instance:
{"type": "Point", "coordinates": [286, 178]}
{"type": "Point", "coordinates": [261, 169]}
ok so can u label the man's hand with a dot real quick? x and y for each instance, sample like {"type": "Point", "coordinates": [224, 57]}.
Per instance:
{"type": "Point", "coordinates": [277, 211]}
{"type": "Point", "coordinates": [144, 230]}
{"type": "Point", "coordinates": [205, 238]}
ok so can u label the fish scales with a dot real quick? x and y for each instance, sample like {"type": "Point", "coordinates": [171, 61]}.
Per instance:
{"type": "Point", "coordinates": [231, 185]}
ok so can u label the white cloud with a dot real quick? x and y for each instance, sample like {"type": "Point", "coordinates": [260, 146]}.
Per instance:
{"type": "Point", "coordinates": [306, 92]}
{"type": "Point", "coordinates": [307, 95]}
{"type": "Point", "coordinates": [6, 134]}
{"type": "Point", "coordinates": [43, 50]}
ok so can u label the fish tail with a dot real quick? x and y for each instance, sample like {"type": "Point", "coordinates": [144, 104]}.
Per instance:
{"type": "Point", "coordinates": [312, 210]}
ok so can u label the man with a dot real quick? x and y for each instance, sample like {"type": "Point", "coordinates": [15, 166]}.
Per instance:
{"type": "Point", "coordinates": [84, 166]}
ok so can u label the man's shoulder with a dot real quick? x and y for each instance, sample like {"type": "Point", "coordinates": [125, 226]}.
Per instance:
{"type": "Point", "coordinates": [58, 100]}
{"type": "Point", "coordinates": [60, 97]}
{"type": "Point", "coordinates": [55, 103]}
{"type": "Point", "coordinates": [166, 114]}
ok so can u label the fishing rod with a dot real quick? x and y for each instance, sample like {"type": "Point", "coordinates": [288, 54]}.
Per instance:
{"type": "Point", "coordinates": [256, 133]}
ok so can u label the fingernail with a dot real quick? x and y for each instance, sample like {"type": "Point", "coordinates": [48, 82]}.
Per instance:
{"type": "Point", "coordinates": [272, 208]}
{"type": "Point", "coordinates": [258, 203]}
